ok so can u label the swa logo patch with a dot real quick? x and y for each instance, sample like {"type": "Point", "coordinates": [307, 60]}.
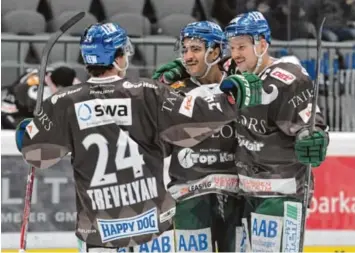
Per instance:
{"type": "Point", "coordinates": [98, 112]}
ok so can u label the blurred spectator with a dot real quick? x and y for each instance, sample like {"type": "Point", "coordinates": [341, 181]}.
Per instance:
{"type": "Point", "coordinates": [338, 14]}
{"type": "Point", "coordinates": [225, 10]}
{"type": "Point", "coordinates": [349, 12]}
{"type": "Point", "coordinates": [277, 11]}
{"type": "Point", "coordinates": [18, 100]}
{"type": "Point", "coordinates": [349, 18]}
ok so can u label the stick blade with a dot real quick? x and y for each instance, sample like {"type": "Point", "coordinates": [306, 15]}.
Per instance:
{"type": "Point", "coordinates": [316, 86]}
{"type": "Point", "coordinates": [44, 58]}
{"type": "Point", "coordinates": [319, 40]}
{"type": "Point", "coordinates": [72, 21]}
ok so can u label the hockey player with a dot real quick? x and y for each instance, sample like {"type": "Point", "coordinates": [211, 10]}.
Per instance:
{"type": "Point", "coordinates": [114, 128]}
{"type": "Point", "coordinates": [273, 183]}
{"type": "Point", "coordinates": [18, 100]}
{"type": "Point", "coordinates": [203, 178]}
{"type": "Point", "coordinates": [274, 141]}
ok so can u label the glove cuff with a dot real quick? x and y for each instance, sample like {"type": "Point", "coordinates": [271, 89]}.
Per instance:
{"type": "Point", "coordinates": [241, 90]}
{"type": "Point", "coordinates": [20, 132]}
{"type": "Point", "coordinates": [302, 133]}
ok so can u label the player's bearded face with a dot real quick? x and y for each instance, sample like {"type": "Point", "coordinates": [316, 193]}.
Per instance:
{"type": "Point", "coordinates": [193, 53]}
{"type": "Point", "coordinates": [242, 51]}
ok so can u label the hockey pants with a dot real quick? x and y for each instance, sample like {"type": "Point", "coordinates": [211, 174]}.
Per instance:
{"type": "Point", "coordinates": [213, 216]}
{"type": "Point", "coordinates": [270, 227]}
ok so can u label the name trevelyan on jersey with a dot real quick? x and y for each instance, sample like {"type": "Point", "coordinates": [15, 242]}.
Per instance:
{"type": "Point", "coordinates": [114, 196]}
{"type": "Point", "coordinates": [98, 112]}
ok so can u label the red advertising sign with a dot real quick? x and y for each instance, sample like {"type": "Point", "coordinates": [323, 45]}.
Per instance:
{"type": "Point", "coordinates": [333, 204]}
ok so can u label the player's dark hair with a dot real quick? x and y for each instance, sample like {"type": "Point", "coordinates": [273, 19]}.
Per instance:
{"type": "Point", "coordinates": [96, 70]}
{"type": "Point", "coordinates": [215, 45]}
{"type": "Point", "coordinates": [63, 76]}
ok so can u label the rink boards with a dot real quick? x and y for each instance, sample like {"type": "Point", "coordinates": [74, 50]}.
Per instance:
{"type": "Point", "coordinates": [330, 227]}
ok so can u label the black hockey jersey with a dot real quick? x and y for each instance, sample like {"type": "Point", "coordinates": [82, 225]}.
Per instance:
{"type": "Point", "coordinates": [266, 134]}
{"type": "Point", "coordinates": [209, 166]}
{"type": "Point", "coordinates": [114, 130]}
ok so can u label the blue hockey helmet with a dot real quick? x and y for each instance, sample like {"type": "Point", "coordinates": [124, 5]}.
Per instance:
{"type": "Point", "coordinates": [210, 33]}
{"type": "Point", "coordinates": [250, 23]}
{"type": "Point", "coordinates": [100, 42]}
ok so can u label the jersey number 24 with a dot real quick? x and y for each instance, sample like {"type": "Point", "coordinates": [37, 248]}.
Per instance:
{"type": "Point", "coordinates": [135, 160]}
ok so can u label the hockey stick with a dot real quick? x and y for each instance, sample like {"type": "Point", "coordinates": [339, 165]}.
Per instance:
{"type": "Point", "coordinates": [312, 122]}
{"type": "Point", "coordinates": [42, 71]}
{"type": "Point", "coordinates": [26, 211]}
{"type": "Point", "coordinates": [46, 51]}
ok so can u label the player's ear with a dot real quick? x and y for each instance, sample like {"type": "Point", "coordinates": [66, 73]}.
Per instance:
{"type": "Point", "coordinates": [263, 44]}
{"type": "Point", "coordinates": [215, 53]}
{"type": "Point", "coordinates": [120, 60]}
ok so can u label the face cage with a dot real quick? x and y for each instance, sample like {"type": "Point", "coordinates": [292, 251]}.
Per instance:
{"type": "Point", "coordinates": [128, 49]}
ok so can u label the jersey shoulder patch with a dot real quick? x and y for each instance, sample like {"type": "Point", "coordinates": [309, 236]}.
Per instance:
{"type": "Point", "coordinates": [178, 84]}
{"type": "Point", "coordinates": [283, 75]}
{"type": "Point", "coordinates": [65, 92]}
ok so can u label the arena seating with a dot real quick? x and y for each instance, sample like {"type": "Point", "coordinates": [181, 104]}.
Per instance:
{"type": "Point", "coordinates": [154, 26]}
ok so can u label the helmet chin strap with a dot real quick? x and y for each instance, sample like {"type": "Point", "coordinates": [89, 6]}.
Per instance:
{"type": "Point", "coordinates": [259, 56]}
{"type": "Point", "coordinates": [124, 69]}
